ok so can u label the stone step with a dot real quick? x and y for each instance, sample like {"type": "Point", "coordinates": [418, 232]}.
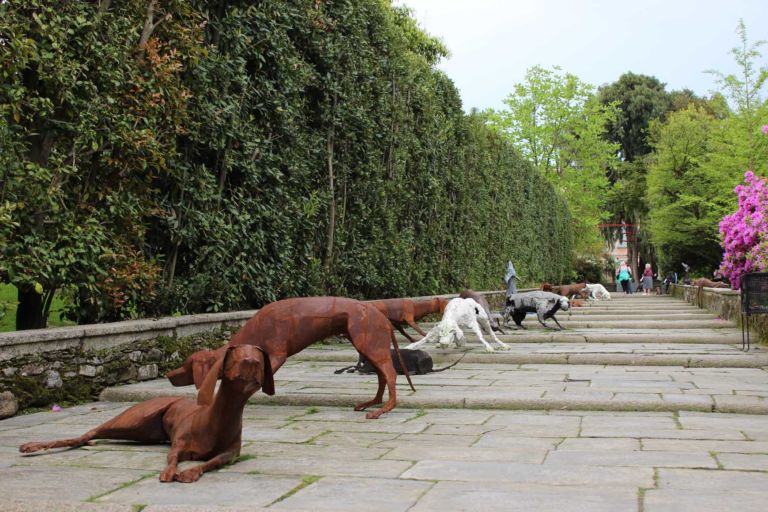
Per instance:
{"type": "Point", "coordinates": [531, 323]}
{"type": "Point", "coordinates": [512, 386]}
{"type": "Point", "coordinates": [594, 335]}
{"type": "Point", "coordinates": [661, 312]}
{"type": "Point", "coordinates": [629, 354]}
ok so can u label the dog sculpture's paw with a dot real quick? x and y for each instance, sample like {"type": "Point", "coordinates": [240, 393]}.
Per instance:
{"type": "Point", "coordinates": [189, 475]}
{"type": "Point", "coordinates": [489, 349]}
{"type": "Point", "coordinates": [168, 474]}
{"type": "Point", "coordinates": [30, 447]}
{"type": "Point", "coordinates": [504, 347]}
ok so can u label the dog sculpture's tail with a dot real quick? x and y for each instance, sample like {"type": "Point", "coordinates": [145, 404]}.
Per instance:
{"type": "Point", "coordinates": [400, 358]}
{"type": "Point", "coordinates": [511, 278]}
{"type": "Point", "coordinates": [452, 364]}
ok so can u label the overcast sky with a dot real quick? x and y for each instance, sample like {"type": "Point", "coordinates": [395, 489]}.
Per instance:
{"type": "Point", "coordinates": [493, 42]}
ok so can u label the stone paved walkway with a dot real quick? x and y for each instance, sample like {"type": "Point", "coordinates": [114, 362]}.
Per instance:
{"type": "Point", "coordinates": [497, 432]}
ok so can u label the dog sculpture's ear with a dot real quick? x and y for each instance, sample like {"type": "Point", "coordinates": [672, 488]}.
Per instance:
{"type": "Point", "coordinates": [205, 395]}
{"type": "Point", "coordinates": [268, 386]}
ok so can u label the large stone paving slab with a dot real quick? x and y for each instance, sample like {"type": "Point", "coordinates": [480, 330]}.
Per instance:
{"type": "Point", "coordinates": [65, 484]}
{"type": "Point", "coordinates": [325, 458]}
{"type": "Point", "coordinates": [335, 494]}
{"type": "Point", "coordinates": [505, 497]}
{"type": "Point", "coordinates": [214, 489]}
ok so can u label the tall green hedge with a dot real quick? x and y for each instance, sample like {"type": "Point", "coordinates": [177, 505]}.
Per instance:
{"type": "Point", "coordinates": [186, 156]}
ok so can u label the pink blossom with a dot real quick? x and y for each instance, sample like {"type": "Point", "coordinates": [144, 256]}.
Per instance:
{"type": "Point", "coordinates": [745, 232]}
{"type": "Point", "coordinates": [765, 128]}
{"type": "Point", "coordinates": [56, 408]}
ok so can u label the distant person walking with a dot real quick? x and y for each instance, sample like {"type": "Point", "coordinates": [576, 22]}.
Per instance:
{"type": "Point", "coordinates": [647, 279]}
{"type": "Point", "coordinates": [623, 276]}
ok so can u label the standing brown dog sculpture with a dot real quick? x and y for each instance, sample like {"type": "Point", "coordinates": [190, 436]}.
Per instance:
{"type": "Point", "coordinates": [495, 319]}
{"type": "Point", "coordinates": [286, 327]}
{"type": "Point", "coordinates": [403, 312]}
{"type": "Point", "coordinates": [570, 290]}
{"type": "Point", "coordinates": [208, 430]}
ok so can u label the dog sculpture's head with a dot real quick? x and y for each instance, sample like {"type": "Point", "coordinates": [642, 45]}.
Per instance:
{"type": "Point", "coordinates": [564, 303]}
{"type": "Point", "coordinates": [196, 368]}
{"type": "Point", "coordinates": [447, 332]}
{"type": "Point", "coordinates": [244, 368]}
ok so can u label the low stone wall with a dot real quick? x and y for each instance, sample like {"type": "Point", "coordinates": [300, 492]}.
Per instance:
{"type": "Point", "coordinates": [71, 364]}
{"type": "Point", "coordinates": [724, 303]}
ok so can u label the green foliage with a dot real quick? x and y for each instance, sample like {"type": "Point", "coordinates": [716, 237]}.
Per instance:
{"type": "Point", "coordinates": [555, 121]}
{"type": "Point", "coordinates": [685, 195]}
{"type": "Point", "coordinates": [700, 155]}
{"type": "Point", "coordinates": [178, 157]}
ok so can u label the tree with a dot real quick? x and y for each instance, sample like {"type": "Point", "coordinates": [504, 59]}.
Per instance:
{"type": "Point", "coordinates": [556, 122]}
{"type": "Point", "coordinates": [685, 196]}
{"type": "Point", "coordinates": [737, 142]}
{"type": "Point", "coordinates": [640, 99]}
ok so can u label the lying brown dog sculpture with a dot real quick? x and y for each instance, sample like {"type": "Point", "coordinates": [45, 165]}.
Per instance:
{"type": "Point", "coordinates": [209, 430]}
{"type": "Point", "coordinates": [402, 312]}
{"type": "Point", "coordinates": [286, 327]}
{"type": "Point", "coordinates": [703, 282]}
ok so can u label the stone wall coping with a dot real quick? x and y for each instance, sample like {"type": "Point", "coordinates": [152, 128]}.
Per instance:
{"type": "Point", "coordinates": [107, 334]}
{"type": "Point", "coordinates": [722, 291]}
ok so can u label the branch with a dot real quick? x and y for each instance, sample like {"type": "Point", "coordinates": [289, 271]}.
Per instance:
{"type": "Point", "coordinates": [149, 26]}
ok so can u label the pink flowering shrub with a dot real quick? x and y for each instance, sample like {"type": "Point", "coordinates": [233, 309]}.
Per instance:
{"type": "Point", "coordinates": [745, 232]}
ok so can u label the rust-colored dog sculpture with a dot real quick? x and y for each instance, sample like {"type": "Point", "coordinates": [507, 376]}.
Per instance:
{"type": "Point", "coordinates": [286, 327]}
{"type": "Point", "coordinates": [402, 312]}
{"type": "Point", "coordinates": [572, 289]}
{"type": "Point", "coordinates": [703, 282]}
{"type": "Point", "coordinates": [576, 303]}
{"type": "Point", "coordinates": [209, 430]}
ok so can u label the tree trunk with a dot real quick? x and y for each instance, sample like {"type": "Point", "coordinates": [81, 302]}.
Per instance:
{"type": "Point", "coordinates": [331, 205]}
{"type": "Point", "coordinates": [29, 314]}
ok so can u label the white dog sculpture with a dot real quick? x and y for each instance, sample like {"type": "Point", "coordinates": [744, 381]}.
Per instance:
{"type": "Point", "coordinates": [598, 291]}
{"type": "Point", "coordinates": [460, 313]}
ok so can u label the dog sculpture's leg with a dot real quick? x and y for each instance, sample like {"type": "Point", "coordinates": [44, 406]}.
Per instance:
{"type": "Point", "coordinates": [486, 324]}
{"type": "Point", "coordinates": [143, 423]}
{"type": "Point", "coordinates": [402, 331]}
{"type": "Point", "coordinates": [476, 329]}
{"type": "Point", "coordinates": [558, 323]}
{"type": "Point", "coordinates": [172, 461]}
{"type": "Point", "coordinates": [194, 474]}
{"type": "Point", "coordinates": [518, 317]}
{"type": "Point", "coordinates": [431, 335]}
{"type": "Point", "coordinates": [415, 326]}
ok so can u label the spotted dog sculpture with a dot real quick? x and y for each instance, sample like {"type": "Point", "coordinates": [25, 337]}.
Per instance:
{"type": "Point", "coordinates": [402, 312]}
{"type": "Point", "coordinates": [209, 429]}
{"type": "Point", "coordinates": [544, 304]}
{"type": "Point", "coordinates": [286, 327]}
{"type": "Point", "coordinates": [494, 318]}
{"type": "Point", "coordinates": [460, 313]}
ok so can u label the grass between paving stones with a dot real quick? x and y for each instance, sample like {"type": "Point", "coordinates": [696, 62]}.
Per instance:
{"type": "Point", "coordinates": [418, 414]}
{"type": "Point", "coordinates": [305, 482]}
{"type": "Point", "coordinates": [676, 419]}
{"type": "Point", "coordinates": [139, 507]}
{"type": "Point", "coordinates": [93, 498]}
{"type": "Point", "coordinates": [641, 499]}
{"type": "Point", "coordinates": [312, 439]}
